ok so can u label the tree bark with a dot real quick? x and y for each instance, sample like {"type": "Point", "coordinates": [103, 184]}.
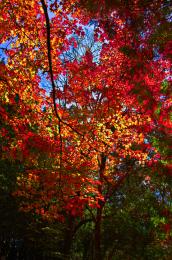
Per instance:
{"type": "Point", "coordinates": [68, 238]}
{"type": "Point", "coordinates": [98, 219]}
{"type": "Point", "coordinates": [97, 235]}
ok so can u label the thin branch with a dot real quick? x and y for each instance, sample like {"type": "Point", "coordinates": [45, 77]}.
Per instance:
{"type": "Point", "coordinates": [51, 67]}
{"type": "Point", "coordinates": [49, 56]}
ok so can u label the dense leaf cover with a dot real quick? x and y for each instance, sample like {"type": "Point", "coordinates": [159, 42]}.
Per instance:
{"type": "Point", "coordinates": [85, 111]}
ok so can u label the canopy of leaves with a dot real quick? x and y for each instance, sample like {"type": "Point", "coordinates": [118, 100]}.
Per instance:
{"type": "Point", "coordinates": [85, 124]}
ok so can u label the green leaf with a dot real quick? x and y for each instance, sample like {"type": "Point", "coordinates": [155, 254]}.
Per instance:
{"type": "Point", "coordinates": [17, 97]}
{"type": "Point", "coordinates": [164, 86]}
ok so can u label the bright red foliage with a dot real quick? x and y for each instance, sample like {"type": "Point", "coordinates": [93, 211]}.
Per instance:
{"type": "Point", "coordinates": [73, 139]}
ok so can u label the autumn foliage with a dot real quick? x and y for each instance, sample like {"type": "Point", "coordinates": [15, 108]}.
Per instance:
{"type": "Point", "coordinates": [80, 124]}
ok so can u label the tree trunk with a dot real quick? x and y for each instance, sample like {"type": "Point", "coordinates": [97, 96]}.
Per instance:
{"type": "Point", "coordinates": [68, 237]}
{"type": "Point", "coordinates": [97, 235]}
{"type": "Point", "coordinates": [98, 220]}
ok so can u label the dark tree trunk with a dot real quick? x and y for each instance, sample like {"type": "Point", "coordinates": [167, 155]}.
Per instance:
{"type": "Point", "coordinates": [98, 220]}
{"type": "Point", "coordinates": [68, 237]}
{"type": "Point", "coordinates": [97, 235]}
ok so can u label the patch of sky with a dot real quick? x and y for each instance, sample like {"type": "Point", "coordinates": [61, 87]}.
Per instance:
{"type": "Point", "coordinates": [4, 47]}
{"type": "Point", "coordinates": [44, 82]}
{"type": "Point", "coordinates": [143, 34]}
{"type": "Point", "coordinates": [156, 54]}
{"type": "Point", "coordinates": [93, 22]}
{"type": "Point", "coordinates": [163, 97]}
{"type": "Point", "coordinates": [61, 81]}
{"type": "Point", "coordinates": [146, 141]}
{"type": "Point", "coordinates": [38, 16]}
{"type": "Point", "coordinates": [141, 46]}
{"type": "Point", "coordinates": [3, 56]}
{"type": "Point", "coordinates": [161, 196]}
{"type": "Point", "coordinates": [169, 17]}
{"type": "Point", "coordinates": [83, 43]}
{"type": "Point", "coordinates": [151, 154]}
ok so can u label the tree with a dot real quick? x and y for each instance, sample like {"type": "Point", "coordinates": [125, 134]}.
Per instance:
{"type": "Point", "coordinates": [103, 118]}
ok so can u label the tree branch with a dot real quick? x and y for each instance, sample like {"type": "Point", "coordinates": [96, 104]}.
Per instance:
{"type": "Point", "coordinates": [48, 28]}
